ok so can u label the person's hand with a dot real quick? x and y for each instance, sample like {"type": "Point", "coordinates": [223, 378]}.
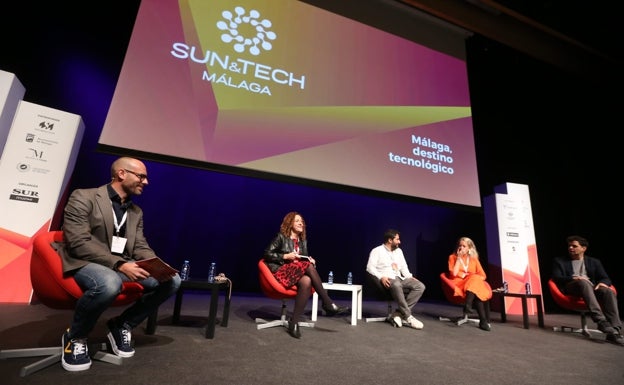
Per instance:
{"type": "Point", "coordinates": [385, 281]}
{"type": "Point", "coordinates": [133, 271]}
{"type": "Point", "coordinates": [290, 256]}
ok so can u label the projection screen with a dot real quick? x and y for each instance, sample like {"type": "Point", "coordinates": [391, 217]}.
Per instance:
{"type": "Point", "coordinates": [288, 88]}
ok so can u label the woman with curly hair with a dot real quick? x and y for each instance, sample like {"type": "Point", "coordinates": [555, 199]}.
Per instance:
{"type": "Point", "coordinates": [288, 259]}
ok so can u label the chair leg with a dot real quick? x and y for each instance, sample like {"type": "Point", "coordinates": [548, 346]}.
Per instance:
{"type": "Point", "coordinates": [382, 319]}
{"type": "Point", "coordinates": [96, 351]}
{"type": "Point", "coordinates": [264, 324]}
{"type": "Point", "coordinates": [460, 320]}
{"type": "Point", "coordinates": [282, 321]}
{"type": "Point", "coordinates": [53, 357]}
{"type": "Point", "coordinates": [152, 320]}
{"type": "Point", "coordinates": [584, 329]}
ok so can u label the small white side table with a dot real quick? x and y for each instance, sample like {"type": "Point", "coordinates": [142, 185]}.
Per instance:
{"type": "Point", "coordinates": [356, 300]}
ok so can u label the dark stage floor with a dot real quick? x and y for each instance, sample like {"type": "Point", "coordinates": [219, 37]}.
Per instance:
{"type": "Point", "coordinates": [333, 352]}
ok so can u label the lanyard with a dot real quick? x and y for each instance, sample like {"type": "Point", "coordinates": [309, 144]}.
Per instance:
{"type": "Point", "coordinates": [464, 265]}
{"type": "Point", "coordinates": [119, 224]}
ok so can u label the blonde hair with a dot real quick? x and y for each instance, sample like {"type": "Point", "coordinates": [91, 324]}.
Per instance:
{"type": "Point", "coordinates": [472, 248]}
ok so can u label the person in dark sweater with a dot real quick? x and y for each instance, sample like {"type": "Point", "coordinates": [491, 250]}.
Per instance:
{"type": "Point", "coordinates": [583, 276]}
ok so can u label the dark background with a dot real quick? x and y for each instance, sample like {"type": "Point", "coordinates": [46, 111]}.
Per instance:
{"type": "Point", "coordinates": [534, 124]}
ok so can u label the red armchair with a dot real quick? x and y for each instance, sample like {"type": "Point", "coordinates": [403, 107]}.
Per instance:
{"type": "Point", "coordinates": [275, 290]}
{"type": "Point", "coordinates": [448, 288]}
{"type": "Point", "coordinates": [573, 303]}
{"type": "Point", "coordinates": [57, 291]}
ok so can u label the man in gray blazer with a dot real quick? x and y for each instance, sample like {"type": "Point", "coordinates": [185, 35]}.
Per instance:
{"type": "Point", "coordinates": [103, 233]}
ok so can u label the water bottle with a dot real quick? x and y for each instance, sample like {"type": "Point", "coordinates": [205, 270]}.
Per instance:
{"type": "Point", "coordinates": [212, 272]}
{"type": "Point", "coordinates": [330, 278]}
{"type": "Point", "coordinates": [350, 279]}
{"type": "Point", "coordinates": [185, 272]}
{"type": "Point", "coordinates": [505, 287]}
{"type": "Point", "coordinates": [527, 286]}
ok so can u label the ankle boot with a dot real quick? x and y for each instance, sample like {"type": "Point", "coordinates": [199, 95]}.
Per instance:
{"type": "Point", "coordinates": [293, 329]}
{"type": "Point", "coordinates": [484, 322]}
{"type": "Point", "coordinates": [470, 297]}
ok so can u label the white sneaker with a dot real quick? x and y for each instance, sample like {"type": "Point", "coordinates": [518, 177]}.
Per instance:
{"type": "Point", "coordinates": [396, 320]}
{"type": "Point", "coordinates": [414, 323]}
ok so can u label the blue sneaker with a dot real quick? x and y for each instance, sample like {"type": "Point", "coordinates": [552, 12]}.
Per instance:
{"type": "Point", "coordinates": [75, 354]}
{"type": "Point", "coordinates": [120, 339]}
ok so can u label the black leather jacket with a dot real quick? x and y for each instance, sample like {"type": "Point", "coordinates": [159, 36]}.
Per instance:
{"type": "Point", "coordinates": [280, 245]}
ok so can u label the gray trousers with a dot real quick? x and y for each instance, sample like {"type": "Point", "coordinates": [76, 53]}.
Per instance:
{"type": "Point", "coordinates": [406, 293]}
{"type": "Point", "coordinates": [601, 303]}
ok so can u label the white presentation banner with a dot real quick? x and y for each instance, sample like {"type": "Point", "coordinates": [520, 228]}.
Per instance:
{"type": "Point", "coordinates": [35, 168]}
{"type": "Point", "coordinates": [36, 164]}
{"type": "Point", "coordinates": [512, 249]}
{"type": "Point", "coordinates": [11, 92]}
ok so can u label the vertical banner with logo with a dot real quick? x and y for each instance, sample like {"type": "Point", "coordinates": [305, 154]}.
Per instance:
{"type": "Point", "coordinates": [36, 164]}
{"type": "Point", "coordinates": [11, 92]}
{"type": "Point", "coordinates": [512, 249]}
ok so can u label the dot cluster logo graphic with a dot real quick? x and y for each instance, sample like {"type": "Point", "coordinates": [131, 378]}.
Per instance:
{"type": "Point", "coordinates": [236, 25]}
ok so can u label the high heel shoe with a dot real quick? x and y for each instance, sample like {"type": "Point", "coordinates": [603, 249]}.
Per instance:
{"type": "Point", "coordinates": [334, 309]}
{"type": "Point", "coordinates": [483, 325]}
{"type": "Point", "coordinates": [293, 329]}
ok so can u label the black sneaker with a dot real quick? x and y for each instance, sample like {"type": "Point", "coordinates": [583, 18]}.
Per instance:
{"type": "Point", "coordinates": [605, 327]}
{"type": "Point", "coordinates": [615, 338]}
{"type": "Point", "coordinates": [75, 354]}
{"type": "Point", "coordinates": [120, 339]}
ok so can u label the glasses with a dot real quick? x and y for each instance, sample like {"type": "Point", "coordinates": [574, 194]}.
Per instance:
{"type": "Point", "coordinates": [141, 177]}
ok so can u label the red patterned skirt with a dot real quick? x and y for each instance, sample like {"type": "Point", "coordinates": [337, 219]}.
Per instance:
{"type": "Point", "coordinates": [290, 273]}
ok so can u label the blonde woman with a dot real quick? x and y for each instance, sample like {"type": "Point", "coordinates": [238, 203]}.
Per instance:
{"type": "Point", "coordinates": [466, 272]}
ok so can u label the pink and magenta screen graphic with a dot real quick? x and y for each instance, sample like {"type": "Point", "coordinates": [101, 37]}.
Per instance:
{"type": "Point", "coordinates": [287, 88]}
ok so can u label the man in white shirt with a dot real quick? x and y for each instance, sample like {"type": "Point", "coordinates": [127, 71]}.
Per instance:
{"type": "Point", "coordinates": [387, 264]}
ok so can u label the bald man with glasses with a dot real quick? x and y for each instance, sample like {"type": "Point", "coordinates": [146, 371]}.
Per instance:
{"type": "Point", "coordinates": [103, 231]}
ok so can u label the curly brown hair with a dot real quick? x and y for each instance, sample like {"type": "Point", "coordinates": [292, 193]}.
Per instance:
{"type": "Point", "coordinates": [287, 225]}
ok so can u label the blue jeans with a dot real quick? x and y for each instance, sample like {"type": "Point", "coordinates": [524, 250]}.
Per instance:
{"type": "Point", "coordinates": [101, 285]}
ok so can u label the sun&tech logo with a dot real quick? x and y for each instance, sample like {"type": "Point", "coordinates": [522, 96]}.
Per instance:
{"type": "Point", "coordinates": [232, 23]}
{"type": "Point", "coordinates": [246, 33]}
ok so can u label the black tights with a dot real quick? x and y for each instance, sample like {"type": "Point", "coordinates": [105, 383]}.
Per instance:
{"type": "Point", "coordinates": [310, 280]}
{"type": "Point", "coordinates": [483, 307]}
